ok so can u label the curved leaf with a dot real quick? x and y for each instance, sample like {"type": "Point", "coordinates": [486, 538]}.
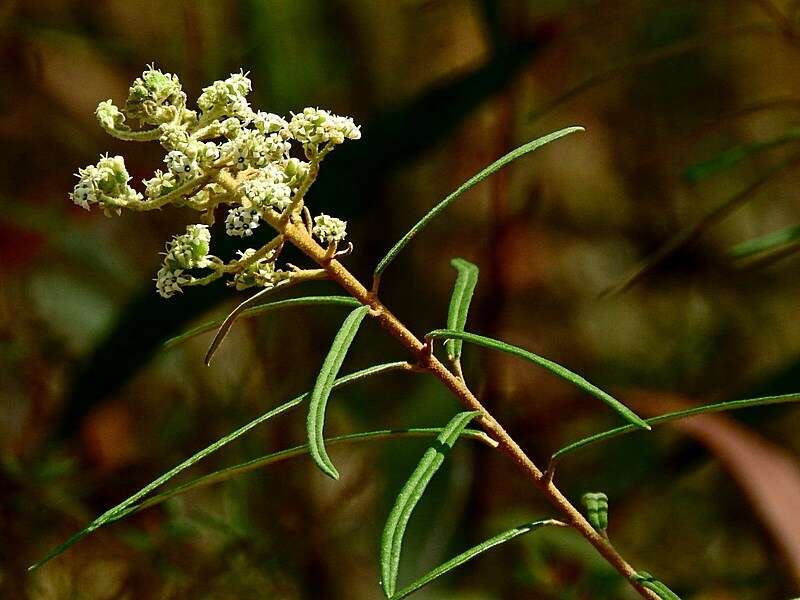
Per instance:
{"type": "Point", "coordinates": [323, 386]}
{"type": "Point", "coordinates": [275, 457]}
{"type": "Point", "coordinates": [459, 560]}
{"type": "Point", "coordinates": [263, 309]}
{"type": "Point", "coordinates": [113, 513]}
{"type": "Point", "coordinates": [673, 416]}
{"type": "Point", "coordinates": [472, 181]}
{"type": "Point", "coordinates": [463, 289]}
{"type": "Point", "coordinates": [392, 538]}
{"type": "Point", "coordinates": [575, 379]}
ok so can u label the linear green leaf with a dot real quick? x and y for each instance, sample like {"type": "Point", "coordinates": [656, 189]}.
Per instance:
{"type": "Point", "coordinates": [767, 243]}
{"type": "Point", "coordinates": [112, 513]}
{"type": "Point", "coordinates": [472, 181]}
{"type": "Point", "coordinates": [323, 386]}
{"type": "Point", "coordinates": [463, 289]}
{"type": "Point", "coordinates": [653, 584]}
{"type": "Point", "coordinates": [275, 457]}
{"type": "Point", "coordinates": [674, 416]}
{"type": "Point", "coordinates": [392, 538]}
{"type": "Point", "coordinates": [558, 370]}
{"type": "Point", "coordinates": [459, 560]}
{"type": "Point", "coordinates": [263, 309]}
{"type": "Point", "coordinates": [730, 157]}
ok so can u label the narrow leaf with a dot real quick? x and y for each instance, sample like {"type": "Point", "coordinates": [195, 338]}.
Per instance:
{"type": "Point", "coordinates": [393, 531]}
{"type": "Point", "coordinates": [674, 416]}
{"type": "Point", "coordinates": [463, 289]}
{"type": "Point", "coordinates": [263, 309]}
{"type": "Point", "coordinates": [459, 560]}
{"type": "Point", "coordinates": [275, 457]}
{"type": "Point", "coordinates": [558, 370]}
{"type": "Point", "coordinates": [324, 385]}
{"type": "Point", "coordinates": [654, 585]}
{"type": "Point", "coordinates": [472, 181]}
{"type": "Point", "coordinates": [731, 157]}
{"type": "Point", "coordinates": [114, 512]}
{"type": "Point", "coordinates": [767, 243]}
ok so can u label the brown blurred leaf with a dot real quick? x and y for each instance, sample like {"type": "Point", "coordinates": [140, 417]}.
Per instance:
{"type": "Point", "coordinates": [768, 475]}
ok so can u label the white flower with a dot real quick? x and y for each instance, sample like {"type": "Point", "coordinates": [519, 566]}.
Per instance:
{"type": "Point", "coordinates": [109, 116]}
{"type": "Point", "coordinates": [270, 123]}
{"type": "Point", "coordinates": [241, 222]}
{"type": "Point", "coordinates": [227, 97]}
{"type": "Point", "coordinates": [329, 229]}
{"type": "Point", "coordinates": [189, 250]}
{"type": "Point", "coordinates": [84, 193]}
{"type": "Point", "coordinates": [169, 282]}
{"type": "Point", "coordinates": [161, 183]}
{"type": "Point", "coordinates": [267, 194]}
{"type": "Point", "coordinates": [104, 183]}
{"type": "Point", "coordinates": [261, 272]}
{"type": "Point", "coordinates": [316, 126]}
{"type": "Point", "coordinates": [181, 165]}
{"type": "Point", "coordinates": [174, 137]}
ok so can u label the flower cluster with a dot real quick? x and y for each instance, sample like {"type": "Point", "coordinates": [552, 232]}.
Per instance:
{"type": "Point", "coordinates": [221, 154]}
{"type": "Point", "coordinates": [105, 184]}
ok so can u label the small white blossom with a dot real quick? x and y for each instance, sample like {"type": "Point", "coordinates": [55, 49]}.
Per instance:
{"type": "Point", "coordinates": [316, 126]}
{"type": "Point", "coordinates": [241, 222]}
{"type": "Point", "coordinates": [181, 165]}
{"type": "Point", "coordinates": [262, 272]}
{"type": "Point", "coordinates": [104, 183]}
{"type": "Point", "coordinates": [109, 116]}
{"type": "Point", "coordinates": [267, 194]}
{"type": "Point", "coordinates": [169, 282]}
{"type": "Point", "coordinates": [174, 137]}
{"type": "Point", "coordinates": [329, 229]}
{"type": "Point", "coordinates": [227, 97]}
{"type": "Point", "coordinates": [155, 97]}
{"type": "Point", "coordinates": [189, 250]}
{"type": "Point", "coordinates": [266, 122]}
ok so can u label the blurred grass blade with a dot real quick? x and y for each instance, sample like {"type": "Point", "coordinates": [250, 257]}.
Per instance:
{"type": "Point", "coordinates": [459, 560]}
{"type": "Point", "coordinates": [323, 386]}
{"type": "Point", "coordinates": [269, 459]}
{"type": "Point", "coordinates": [558, 370]}
{"type": "Point", "coordinates": [263, 309]}
{"type": "Point", "coordinates": [463, 289]}
{"type": "Point", "coordinates": [731, 157]}
{"type": "Point", "coordinates": [654, 585]}
{"type": "Point", "coordinates": [767, 243]}
{"type": "Point", "coordinates": [696, 229]}
{"type": "Point", "coordinates": [113, 513]}
{"type": "Point", "coordinates": [674, 416]}
{"type": "Point", "coordinates": [472, 181]}
{"type": "Point", "coordinates": [392, 538]}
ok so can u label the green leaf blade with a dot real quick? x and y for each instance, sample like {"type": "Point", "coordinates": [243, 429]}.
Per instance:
{"type": "Point", "coordinates": [471, 182]}
{"type": "Point", "coordinates": [323, 386]}
{"type": "Point", "coordinates": [674, 416]}
{"type": "Point", "coordinates": [114, 513]}
{"type": "Point", "coordinates": [555, 368]}
{"type": "Point", "coordinates": [409, 496]}
{"type": "Point", "coordinates": [654, 585]}
{"type": "Point", "coordinates": [463, 289]}
{"type": "Point", "coordinates": [767, 243]}
{"type": "Point", "coordinates": [467, 555]}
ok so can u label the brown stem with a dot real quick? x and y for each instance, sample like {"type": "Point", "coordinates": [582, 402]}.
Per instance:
{"type": "Point", "coordinates": [297, 235]}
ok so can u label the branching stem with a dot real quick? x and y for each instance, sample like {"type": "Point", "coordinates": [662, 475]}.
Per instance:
{"type": "Point", "coordinates": [297, 234]}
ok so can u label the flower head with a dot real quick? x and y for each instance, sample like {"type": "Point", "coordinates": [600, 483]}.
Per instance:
{"type": "Point", "coordinates": [189, 250]}
{"type": "Point", "coordinates": [241, 221]}
{"type": "Point", "coordinates": [329, 230]}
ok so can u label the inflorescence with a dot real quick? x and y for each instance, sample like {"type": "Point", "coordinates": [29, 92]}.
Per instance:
{"type": "Point", "coordinates": [224, 154]}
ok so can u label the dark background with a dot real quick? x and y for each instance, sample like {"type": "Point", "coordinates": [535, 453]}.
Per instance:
{"type": "Point", "coordinates": [92, 408]}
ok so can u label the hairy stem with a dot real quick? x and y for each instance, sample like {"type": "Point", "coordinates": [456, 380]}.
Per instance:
{"type": "Point", "coordinates": [299, 236]}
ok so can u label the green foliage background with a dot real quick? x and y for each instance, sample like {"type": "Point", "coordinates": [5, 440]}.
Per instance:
{"type": "Point", "coordinates": [686, 104]}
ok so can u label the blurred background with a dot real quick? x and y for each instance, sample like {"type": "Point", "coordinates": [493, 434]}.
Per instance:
{"type": "Point", "coordinates": [617, 252]}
